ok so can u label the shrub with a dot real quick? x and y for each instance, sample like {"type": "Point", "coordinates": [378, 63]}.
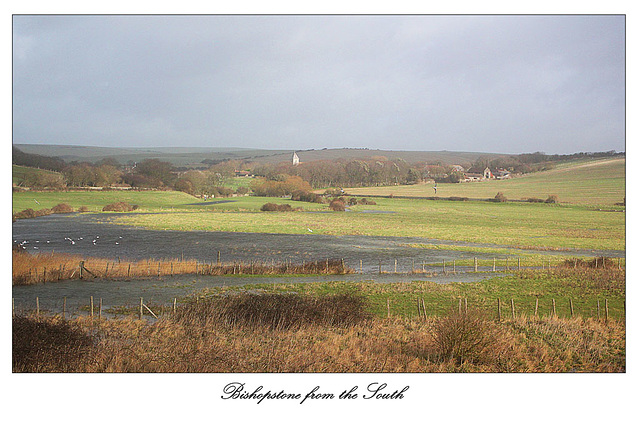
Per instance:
{"type": "Point", "coordinates": [306, 196]}
{"type": "Point", "coordinates": [119, 207]}
{"type": "Point", "coordinates": [337, 205]}
{"type": "Point", "coordinates": [500, 197]}
{"type": "Point", "coordinates": [273, 207]}
{"type": "Point", "coordinates": [364, 201]}
{"type": "Point", "coordinates": [44, 212]}
{"type": "Point", "coordinates": [463, 336]}
{"type": "Point", "coordinates": [27, 213]}
{"type": "Point", "coordinates": [241, 191]}
{"type": "Point", "coordinates": [552, 199]}
{"type": "Point", "coordinates": [83, 209]}
{"type": "Point", "coordinates": [62, 208]}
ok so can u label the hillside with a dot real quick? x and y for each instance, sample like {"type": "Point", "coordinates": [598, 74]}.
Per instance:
{"type": "Point", "coordinates": [193, 156]}
{"type": "Point", "coordinates": [584, 182]}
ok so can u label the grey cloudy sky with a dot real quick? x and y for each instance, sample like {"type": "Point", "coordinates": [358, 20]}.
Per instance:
{"type": "Point", "coordinates": [462, 83]}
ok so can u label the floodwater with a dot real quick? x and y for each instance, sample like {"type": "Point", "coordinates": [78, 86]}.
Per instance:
{"type": "Point", "coordinates": [93, 236]}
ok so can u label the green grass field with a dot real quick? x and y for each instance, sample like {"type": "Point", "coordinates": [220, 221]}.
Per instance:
{"type": "Point", "coordinates": [517, 224]}
{"type": "Point", "coordinates": [600, 182]}
{"type": "Point", "coordinates": [585, 288]}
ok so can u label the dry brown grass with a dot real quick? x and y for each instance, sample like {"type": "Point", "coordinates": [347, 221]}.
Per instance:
{"type": "Point", "coordinates": [40, 268]}
{"type": "Point", "coordinates": [375, 345]}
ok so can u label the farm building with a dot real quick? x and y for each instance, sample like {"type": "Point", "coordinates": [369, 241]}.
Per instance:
{"type": "Point", "coordinates": [296, 159]}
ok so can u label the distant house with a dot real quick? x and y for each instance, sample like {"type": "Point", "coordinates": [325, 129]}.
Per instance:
{"type": "Point", "coordinates": [502, 174]}
{"type": "Point", "coordinates": [243, 173]}
{"type": "Point", "coordinates": [487, 173]}
{"type": "Point", "coordinates": [469, 177]}
{"type": "Point", "coordinates": [296, 159]}
{"type": "Point", "coordinates": [457, 168]}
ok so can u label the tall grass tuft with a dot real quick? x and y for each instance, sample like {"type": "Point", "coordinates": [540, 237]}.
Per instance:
{"type": "Point", "coordinates": [47, 345]}
{"type": "Point", "coordinates": [275, 311]}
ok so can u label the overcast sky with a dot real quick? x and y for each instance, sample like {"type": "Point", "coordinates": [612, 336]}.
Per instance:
{"type": "Point", "coordinates": [506, 84]}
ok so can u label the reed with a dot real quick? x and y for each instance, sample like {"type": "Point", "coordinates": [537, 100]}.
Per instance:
{"type": "Point", "coordinates": [39, 268]}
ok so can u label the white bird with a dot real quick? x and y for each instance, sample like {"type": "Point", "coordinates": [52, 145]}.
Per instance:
{"type": "Point", "coordinates": [73, 243]}
{"type": "Point", "coordinates": [47, 241]}
{"type": "Point", "coordinates": [117, 243]}
{"type": "Point", "coordinates": [310, 230]}
{"type": "Point", "coordinates": [37, 203]}
{"type": "Point", "coordinates": [35, 247]}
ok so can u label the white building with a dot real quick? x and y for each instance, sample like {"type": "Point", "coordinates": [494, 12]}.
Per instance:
{"type": "Point", "coordinates": [296, 159]}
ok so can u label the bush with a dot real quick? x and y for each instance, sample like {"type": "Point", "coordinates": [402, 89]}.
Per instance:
{"type": "Point", "coordinates": [62, 208]}
{"type": "Point", "coordinates": [306, 196]}
{"type": "Point", "coordinates": [464, 336]}
{"type": "Point", "coordinates": [364, 201]}
{"type": "Point", "coordinates": [119, 207]}
{"type": "Point", "coordinates": [273, 207]}
{"type": "Point", "coordinates": [337, 205]}
{"type": "Point", "coordinates": [552, 199]}
{"type": "Point", "coordinates": [500, 197]}
{"type": "Point", "coordinates": [241, 191]}
{"type": "Point", "coordinates": [83, 209]}
{"type": "Point", "coordinates": [27, 213]}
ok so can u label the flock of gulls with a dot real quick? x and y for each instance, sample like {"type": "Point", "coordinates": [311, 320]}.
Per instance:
{"type": "Point", "coordinates": [32, 243]}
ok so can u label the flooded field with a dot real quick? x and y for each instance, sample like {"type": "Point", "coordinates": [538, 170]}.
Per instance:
{"type": "Point", "coordinates": [92, 236]}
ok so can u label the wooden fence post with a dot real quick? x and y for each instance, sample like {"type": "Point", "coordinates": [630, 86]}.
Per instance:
{"type": "Point", "coordinates": [388, 309]}
{"type": "Point", "coordinates": [598, 310]}
{"type": "Point", "coordinates": [475, 264]}
{"type": "Point", "coordinates": [379, 266]}
{"type": "Point", "coordinates": [140, 314]}
{"type": "Point", "coordinates": [174, 305]}
{"type": "Point", "coordinates": [81, 268]}
{"type": "Point", "coordinates": [518, 263]}
{"type": "Point", "coordinates": [424, 309]}
{"type": "Point", "coordinates": [494, 264]}
{"type": "Point", "coordinates": [444, 269]}
{"type": "Point", "coordinates": [459, 305]}
{"type": "Point", "coordinates": [64, 307]}
{"type": "Point", "coordinates": [535, 312]}
{"type": "Point", "coordinates": [606, 310]}
{"type": "Point", "coordinates": [91, 304]}
{"type": "Point", "coordinates": [466, 307]}
{"type": "Point", "coordinates": [13, 307]}
{"type": "Point", "coordinates": [100, 309]}
{"type": "Point", "coordinates": [395, 266]}
{"type": "Point", "coordinates": [44, 274]}
{"type": "Point", "coordinates": [218, 258]}
{"type": "Point", "coordinates": [37, 306]}
{"type": "Point", "coordinates": [571, 306]}
{"type": "Point", "coordinates": [499, 311]}
{"type": "Point", "coordinates": [361, 267]}
{"type": "Point", "coordinates": [513, 310]}
{"type": "Point", "coordinates": [454, 266]}
{"type": "Point", "coordinates": [553, 300]}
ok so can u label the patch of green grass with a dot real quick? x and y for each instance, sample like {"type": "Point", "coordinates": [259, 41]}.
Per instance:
{"type": "Point", "coordinates": [524, 225]}
{"type": "Point", "coordinates": [599, 182]}
{"type": "Point", "coordinates": [584, 287]}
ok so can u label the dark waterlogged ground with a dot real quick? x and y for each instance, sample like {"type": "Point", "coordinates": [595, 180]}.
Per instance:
{"type": "Point", "coordinates": [89, 235]}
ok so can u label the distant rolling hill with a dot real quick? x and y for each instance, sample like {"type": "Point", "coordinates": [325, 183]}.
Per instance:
{"type": "Point", "coordinates": [193, 156]}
